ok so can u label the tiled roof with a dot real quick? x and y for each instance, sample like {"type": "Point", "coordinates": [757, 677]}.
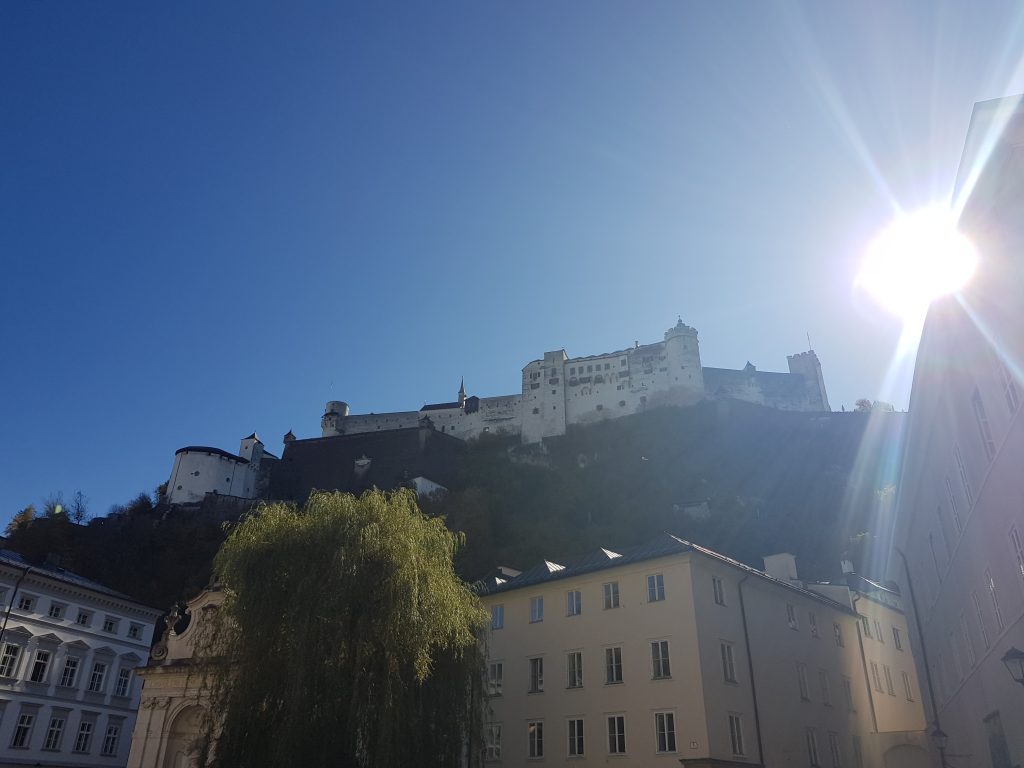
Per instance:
{"type": "Point", "coordinates": [661, 546]}
{"type": "Point", "coordinates": [209, 449]}
{"type": "Point", "coordinates": [440, 406]}
{"type": "Point", "coordinates": [8, 557]}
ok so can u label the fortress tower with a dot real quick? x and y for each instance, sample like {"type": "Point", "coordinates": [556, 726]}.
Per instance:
{"type": "Point", "coordinates": [806, 364]}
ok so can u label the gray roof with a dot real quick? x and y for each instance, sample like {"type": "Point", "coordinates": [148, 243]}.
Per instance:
{"type": "Point", "coordinates": [661, 546]}
{"type": "Point", "coordinates": [9, 557]}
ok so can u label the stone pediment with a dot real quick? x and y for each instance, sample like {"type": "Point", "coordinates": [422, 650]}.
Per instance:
{"type": "Point", "coordinates": [49, 637]}
{"type": "Point", "coordinates": [106, 650]}
{"type": "Point", "coordinates": [19, 630]}
{"type": "Point", "coordinates": [131, 658]}
{"type": "Point", "coordinates": [79, 645]}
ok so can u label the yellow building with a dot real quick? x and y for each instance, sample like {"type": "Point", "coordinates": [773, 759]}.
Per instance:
{"type": "Point", "coordinates": [669, 653]}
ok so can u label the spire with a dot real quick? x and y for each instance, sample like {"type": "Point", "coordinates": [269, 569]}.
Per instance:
{"type": "Point", "coordinates": [462, 390]}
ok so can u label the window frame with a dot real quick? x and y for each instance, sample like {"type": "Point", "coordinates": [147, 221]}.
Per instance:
{"type": "Point", "coordinates": [21, 736]}
{"type": "Point", "coordinates": [536, 677]}
{"type": "Point", "coordinates": [665, 730]}
{"type": "Point", "coordinates": [616, 725]}
{"type": "Point", "coordinates": [661, 662]}
{"type": "Point", "coordinates": [610, 592]}
{"type": "Point", "coordinates": [728, 662]}
{"type": "Point", "coordinates": [656, 588]}
{"type": "Point", "coordinates": [534, 739]}
{"type": "Point", "coordinates": [537, 609]}
{"type": "Point", "coordinates": [573, 602]}
{"type": "Point", "coordinates": [55, 731]}
{"type": "Point", "coordinates": [498, 616]}
{"type": "Point", "coordinates": [495, 677]}
{"type": "Point", "coordinates": [574, 669]}
{"type": "Point", "coordinates": [718, 590]}
{"type": "Point", "coordinates": [492, 741]}
{"type": "Point", "coordinates": [736, 741]}
{"type": "Point", "coordinates": [613, 664]}
{"type": "Point", "coordinates": [575, 732]}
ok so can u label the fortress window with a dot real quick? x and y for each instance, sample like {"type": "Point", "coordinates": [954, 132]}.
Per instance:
{"type": "Point", "coordinates": [607, 366]}
{"type": "Point", "coordinates": [622, 362]}
{"type": "Point", "coordinates": [590, 368]}
{"type": "Point", "coordinates": [600, 407]}
{"type": "Point", "coordinates": [535, 412]}
{"type": "Point", "coordinates": [622, 403]}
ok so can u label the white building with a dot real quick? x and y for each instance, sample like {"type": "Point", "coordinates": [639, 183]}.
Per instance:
{"type": "Point", "coordinates": [558, 390]}
{"type": "Point", "coordinates": [959, 510]}
{"type": "Point", "coordinates": [199, 470]}
{"type": "Point", "coordinates": [69, 648]}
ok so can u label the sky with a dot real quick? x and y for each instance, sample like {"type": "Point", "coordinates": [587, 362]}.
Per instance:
{"type": "Point", "coordinates": [215, 217]}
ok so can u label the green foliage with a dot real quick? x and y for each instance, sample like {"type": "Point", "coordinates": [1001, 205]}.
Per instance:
{"type": "Point", "coordinates": [22, 519]}
{"type": "Point", "coordinates": [345, 638]}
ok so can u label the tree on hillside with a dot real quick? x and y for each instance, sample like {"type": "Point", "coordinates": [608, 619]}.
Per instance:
{"type": "Point", "coordinates": [21, 519]}
{"type": "Point", "coordinates": [345, 638]}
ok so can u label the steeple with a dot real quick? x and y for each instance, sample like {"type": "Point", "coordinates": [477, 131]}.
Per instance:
{"type": "Point", "coordinates": [462, 391]}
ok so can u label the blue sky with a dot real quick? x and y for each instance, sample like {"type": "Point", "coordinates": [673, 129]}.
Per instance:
{"type": "Point", "coordinates": [214, 217]}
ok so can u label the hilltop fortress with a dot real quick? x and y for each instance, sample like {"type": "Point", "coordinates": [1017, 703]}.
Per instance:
{"type": "Point", "coordinates": [559, 390]}
{"type": "Point", "coordinates": [414, 447]}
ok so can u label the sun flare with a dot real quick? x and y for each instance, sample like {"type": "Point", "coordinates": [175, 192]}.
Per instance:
{"type": "Point", "coordinates": [918, 258]}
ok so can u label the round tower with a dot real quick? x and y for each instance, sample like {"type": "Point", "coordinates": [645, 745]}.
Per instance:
{"type": "Point", "coordinates": [682, 355]}
{"type": "Point", "coordinates": [333, 421]}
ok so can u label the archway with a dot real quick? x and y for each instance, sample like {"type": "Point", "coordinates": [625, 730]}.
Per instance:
{"type": "Point", "coordinates": [181, 736]}
{"type": "Point", "coordinates": [907, 756]}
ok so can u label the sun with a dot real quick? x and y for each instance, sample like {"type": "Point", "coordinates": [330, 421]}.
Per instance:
{"type": "Point", "coordinates": [919, 257]}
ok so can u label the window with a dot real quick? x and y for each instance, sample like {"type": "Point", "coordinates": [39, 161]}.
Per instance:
{"type": "Point", "coordinates": [617, 734]}
{"type": "Point", "coordinates": [968, 493]}
{"type": "Point", "coordinates": [848, 693]}
{"type": "Point", "coordinates": [719, 589]}
{"type": "Point", "coordinates": [728, 663]}
{"type": "Point", "coordinates": [906, 687]}
{"type": "Point", "coordinates": [39, 666]}
{"type": "Point", "coordinates": [84, 618]}
{"type": "Point", "coordinates": [574, 669]}
{"type": "Point", "coordinates": [99, 674]}
{"type": "Point", "coordinates": [812, 622]}
{"type": "Point", "coordinates": [791, 617]}
{"type": "Point", "coordinates": [613, 665]}
{"type": "Point", "coordinates": [838, 632]}
{"type": "Point", "coordinates": [56, 611]}
{"type": "Point", "coordinates": [70, 673]}
{"type": "Point", "coordinates": [1009, 386]}
{"type": "Point", "coordinates": [897, 638]}
{"type": "Point", "coordinates": [535, 737]}
{"type": "Point", "coordinates": [665, 730]}
{"type": "Point", "coordinates": [84, 738]}
{"type": "Point", "coordinates": [801, 679]}
{"type": "Point", "coordinates": [826, 691]}
{"type": "Point", "coordinates": [659, 660]}
{"type": "Point", "coordinates": [536, 674]}
{"type": "Point", "coordinates": [953, 507]}
{"type": "Point", "coordinates": [984, 429]}
{"type": "Point", "coordinates": [492, 741]}
{"type": "Point", "coordinates": [135, 631]}
{"type": "Point", "coordinates": [573, 603]}
{"type": "Point", "coordinates": [812, 747]}
{"type": "Point", "coordinates": [888, 680]}
{"type": "Point", "coordinates": [497, 616]}
{"type": "Point", "coordinates": [23, 731]}
{"type": "Point", "coordinates": [866, 625]}
{"type": "Point", "coordinates": [736, 734]}
{"type": "Point", "coordinates": [9, 660]}
{"type": "Point", "coordinates": [26, 603]}
{"type": "Point", "coordinates": [495, 678]}
{"type": "Point", "coordinates": [576, 737]}
{"type": "Point", "coordinates": [611, 595]}
{"type": "Point", "coordinates": [968, 644]}
{"type": "Point", "coordinates": [110, 624]}
{"type": "Point", "coordinates": [833, 748]}
{"type": "Point", "coordinates": [655, 588]}
{"type": "Point", "coordinates": [990, 584]}
{"type": "Point", "coordinates": [536, 609]}
{"type": "Point", "coordinates": [878, 632]}
{"type": "Point", "coordinates": [858, 755]}
{"type": "Point", "coordinates": [875, 679]}
{"type": "Point", "coordinates": [981, 619]}
{"type": "Point", "coordinates": [54, 734]}
{"type": "Point", "coordinates": [111, 739]}
{"type": "Point", "coordinates": [1018, 551]}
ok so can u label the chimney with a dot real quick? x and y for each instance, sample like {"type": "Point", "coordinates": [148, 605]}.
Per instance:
{"type": "Point", "coordinates": [781, 566]}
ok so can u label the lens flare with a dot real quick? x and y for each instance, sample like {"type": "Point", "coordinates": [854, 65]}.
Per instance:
{"type": "Point", "coordinates": [915, 260]}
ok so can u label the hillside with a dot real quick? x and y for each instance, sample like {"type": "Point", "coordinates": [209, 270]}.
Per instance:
{"type": "Point", "coordinates": [742, 479]}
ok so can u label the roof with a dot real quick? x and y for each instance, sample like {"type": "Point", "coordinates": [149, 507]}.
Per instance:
{"type": "Point", "coordinates": [9, 557]}
{"type": "Point", "coordinates": [440, 406]}
{"type": "Point", "coordinates": [396, 456]}
{"type": "Point", "coordinates": [210, 449]}
{"type": "Point", "coordinates": [663, 545]}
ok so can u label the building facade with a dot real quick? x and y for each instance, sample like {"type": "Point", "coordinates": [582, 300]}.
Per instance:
{"type": "Point", "coordinates": [959, 520]}
{"type": "Point", "coordinates": [174, 706]}
{"type": "Point", "coordinates": [670, 653]}
{"type": "Point", "coordinates": [199, 470]}
{"type": "Point", "coordinates": [69, 651]}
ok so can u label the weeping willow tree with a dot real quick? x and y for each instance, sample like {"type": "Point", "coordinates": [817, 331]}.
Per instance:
{"type": "Point", "coordinates": [345, 639]}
